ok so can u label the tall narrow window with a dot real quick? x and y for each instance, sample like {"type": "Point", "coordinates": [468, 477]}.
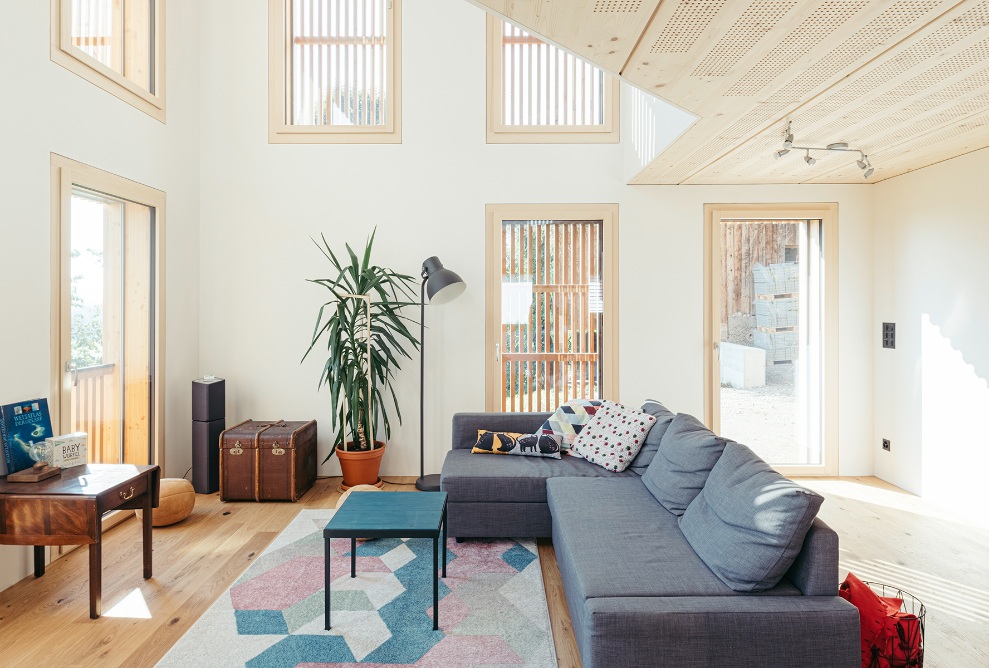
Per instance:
{"type": "Point", "coordinates": [334, 70]}
{"type": "Point", "coordinates": [538, 93]}
{"type": "Point", "coordinates": [118, 45]}
{"type": "Point", "coordinates": [771, 324]}
{"type": "Point", "coordinates": [108, 313]}
{"type": "Point", "coordinates": [552, 305]}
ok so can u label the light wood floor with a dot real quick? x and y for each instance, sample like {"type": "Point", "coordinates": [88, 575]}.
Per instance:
{"type": "Point", "coordinates": [886, 535]}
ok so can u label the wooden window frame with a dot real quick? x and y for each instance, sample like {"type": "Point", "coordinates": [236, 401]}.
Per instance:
{"type": "Point", "coordinates": [66, 173]}
{"type": "Point", "coordinates": [827, 213]}
{"type": "Point", "coordinates": [279, 100]}
{"type": "Point", "coordinates": [496, 214]}
{"type": "Point", "coordinates": [74, 59]}
{"type": "Point", "coordinates": [499, 133]}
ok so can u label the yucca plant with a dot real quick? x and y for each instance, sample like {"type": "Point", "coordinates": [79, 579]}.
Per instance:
{"type": "Point", "coordinates": [342, 321]}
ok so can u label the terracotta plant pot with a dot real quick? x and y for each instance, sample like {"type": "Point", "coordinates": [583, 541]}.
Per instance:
{"type": "Point", "coordinates": [360, 467]}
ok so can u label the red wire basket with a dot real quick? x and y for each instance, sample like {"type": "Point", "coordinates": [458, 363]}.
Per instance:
{"type": "Point", "coordinates": [906, 648]}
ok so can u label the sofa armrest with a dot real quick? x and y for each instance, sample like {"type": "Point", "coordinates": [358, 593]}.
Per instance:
{"type": "Point", "coordinates": [465, 425]}
{"type": "Point", "coordinates": [738, 631]}
{"type": "Point", "coordinates": [815, 570]}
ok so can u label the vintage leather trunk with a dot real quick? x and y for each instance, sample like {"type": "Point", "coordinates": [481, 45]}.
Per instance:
{"type": "Point", "coordinates": [267, 461]}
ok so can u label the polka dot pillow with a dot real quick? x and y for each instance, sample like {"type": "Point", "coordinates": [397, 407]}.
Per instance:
{"type": "Point", "coordinates": [613, 437]}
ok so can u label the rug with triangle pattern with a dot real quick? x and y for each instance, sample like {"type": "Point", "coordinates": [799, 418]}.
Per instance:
{"type": "Point", "coordinates": [493, 610]}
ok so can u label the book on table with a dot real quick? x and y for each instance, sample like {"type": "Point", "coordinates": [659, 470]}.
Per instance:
{"type": "Point", "coordinates": [22, 425]}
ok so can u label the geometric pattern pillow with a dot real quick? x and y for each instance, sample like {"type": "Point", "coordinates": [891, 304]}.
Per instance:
{"type": "Point", "coordinates": [512, 443]}
{"type": "Point", "coordinates": [569, 419]}
{"type": "Point", "coordinates": [613, 438]}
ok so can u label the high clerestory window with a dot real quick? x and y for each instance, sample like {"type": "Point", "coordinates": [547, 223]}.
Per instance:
{"type": "Point", "coordinates": [119, 45]}
{"type": "Point", "coordinates": [334, 71]}
{"type": "Point", "coordinates": [538, 93]}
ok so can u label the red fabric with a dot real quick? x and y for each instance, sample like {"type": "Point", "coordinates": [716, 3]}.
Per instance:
{"type": "Point", "coordinates": [890, 638]}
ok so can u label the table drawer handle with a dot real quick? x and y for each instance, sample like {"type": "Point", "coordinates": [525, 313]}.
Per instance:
{"type": "Point", "coordinates": [128, 495]}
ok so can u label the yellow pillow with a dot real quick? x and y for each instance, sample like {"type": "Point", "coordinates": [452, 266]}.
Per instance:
{"type": "Point", "coordinates": [513, 443]}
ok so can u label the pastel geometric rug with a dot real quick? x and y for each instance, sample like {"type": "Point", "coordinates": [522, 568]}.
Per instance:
{"type": "Point", "coordinates": [493, 611]}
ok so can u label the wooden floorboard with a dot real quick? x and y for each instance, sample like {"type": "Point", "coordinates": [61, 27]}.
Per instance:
{"type": "Point", "coordinates": [886, 534]}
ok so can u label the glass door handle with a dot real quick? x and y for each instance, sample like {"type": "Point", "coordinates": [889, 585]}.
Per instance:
{"type": "Point", "coordinates": [497, 352]}
{"type": "Point", "coordinates": [717, 349]}
{"type": "Point", "coordinates": [74, 370]}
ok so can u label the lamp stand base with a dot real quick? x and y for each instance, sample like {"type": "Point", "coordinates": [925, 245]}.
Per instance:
{"type": "Point", "coordinates": [429, 483]}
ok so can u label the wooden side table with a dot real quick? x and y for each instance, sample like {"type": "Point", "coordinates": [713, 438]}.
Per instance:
{"type": "Point", "coordinates": [67, 509]}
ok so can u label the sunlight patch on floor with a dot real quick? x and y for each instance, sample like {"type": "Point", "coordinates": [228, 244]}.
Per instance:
{"type": "Point", "coordinates": [132, 606]}
{"type": "Point", "coordinates": [946, 596]}
{"type": "Point", "coordinates": [888, 497]}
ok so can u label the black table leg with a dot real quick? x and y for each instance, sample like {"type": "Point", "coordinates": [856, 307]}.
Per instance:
{"type": "Point", "coordinates": [326, 577]}
{"type": "Point", "coordinates": [353, 557]}
{"type": "Point", "coordinates": [436, 585]}
{"type": "Point", "coordinates": [39, 560]}
{"type": "Point", "coordinates": [444, 541]}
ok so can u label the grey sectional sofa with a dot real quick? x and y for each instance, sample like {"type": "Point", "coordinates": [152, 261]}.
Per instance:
{"type": "Point", "coordinates": [637, 592]}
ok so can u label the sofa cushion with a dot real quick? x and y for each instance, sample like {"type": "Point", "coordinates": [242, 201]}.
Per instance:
{"type": "Point", "coordinates": [570, 418]}
{"type": "Point", "coordinates": [613, 539]}
{"type": "Point", "coordinates": [748, 523]}
{"type": "Point", "coordinates": [664, 417]}
{"type": "Point", "coordinates": [613, 438]}
{"type": "Point", "coordinates": [514, 443]}
{"type": "Point", "coordinates": [686, 455]}
{"type": "Point", "coordinates": [468, 478]}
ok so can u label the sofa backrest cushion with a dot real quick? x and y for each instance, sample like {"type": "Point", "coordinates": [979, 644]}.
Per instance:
{"type": "Point", "coordinates": [664, 417]}
{"type": "Point", "coordinates": [749, 522]}
{"type": "Point", "coordinates": [686, 455]}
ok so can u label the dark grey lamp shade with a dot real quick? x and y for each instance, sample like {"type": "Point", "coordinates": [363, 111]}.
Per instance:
{"type": "Point", "coordinates": [442, 285]}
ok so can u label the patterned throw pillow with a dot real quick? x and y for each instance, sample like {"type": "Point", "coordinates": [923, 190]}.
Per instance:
{"type": "Point", "coordinates": [511, 443]}
{"type": "Point", "coordinates": [569, 419]}
{"type": "Point", "coordinates": [613, 438]}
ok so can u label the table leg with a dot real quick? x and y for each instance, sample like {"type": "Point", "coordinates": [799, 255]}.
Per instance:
{"type": "Point", "coordinates": [444, 541]}
{"type": "Point", "coordinates": [95, 580]}
{"type": "Point", "coordinates": [436, 585]}
{"type": "Point", "coordinates": [147, 534]}
{"type": "Point", "coordinates": [39, 560]}
{"type": "Point", "coordinates": [353, 557]}
{"type": "Point", "coordinates": [326, 576]}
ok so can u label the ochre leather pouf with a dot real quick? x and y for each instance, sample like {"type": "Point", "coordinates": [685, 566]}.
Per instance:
{"type": "Point", "coordinates": [176, 499]}
{"type": "Point", "coordinates": [356, 488]}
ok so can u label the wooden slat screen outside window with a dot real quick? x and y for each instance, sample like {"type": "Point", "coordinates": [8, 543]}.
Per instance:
{"type": "Point", "coordinates": [551, 312]}
{"type": "Point", "coordinates": [538, 93]}
{"type": "Point", "coordinates": [93, 29]}
{"type": "Point", "coordinates": [542, 85]}
{"type": "Point", "coordinates": [119, 34]}
{"type": "Point", "coordinates": [340, 62]}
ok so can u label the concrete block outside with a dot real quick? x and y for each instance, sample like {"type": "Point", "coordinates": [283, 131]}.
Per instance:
{"type": "Point", "coordinates": [742, 367]}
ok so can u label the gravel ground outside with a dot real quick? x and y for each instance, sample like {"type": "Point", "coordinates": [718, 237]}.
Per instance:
{"type": "Point", "coordinates": [764, 418]}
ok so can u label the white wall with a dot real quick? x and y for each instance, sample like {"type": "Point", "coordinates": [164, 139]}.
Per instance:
{"type": "Point", "coordinates": [46, 109]}
{"type": "Point", "coordinates": [261, 203]}
{"type": "Point", "coordinates": [931, 395]}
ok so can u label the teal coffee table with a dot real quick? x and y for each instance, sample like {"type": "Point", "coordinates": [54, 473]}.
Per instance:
{"type": "Point", "coordinates": [388, 515]}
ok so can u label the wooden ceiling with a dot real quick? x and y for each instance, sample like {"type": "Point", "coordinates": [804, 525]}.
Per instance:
{"type": "Point", "coordinates": [907, 81]}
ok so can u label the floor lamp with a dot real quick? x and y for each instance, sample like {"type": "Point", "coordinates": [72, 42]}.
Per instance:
{"type": "Point", "coordinates": [439, 286]}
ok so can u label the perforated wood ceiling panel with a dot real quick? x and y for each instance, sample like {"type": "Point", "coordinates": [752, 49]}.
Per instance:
{"type": "Point", "coordinates": [606, 6]}
{"type": "Point", "coordinates": [905, 80]}
{"type": "Point", "coordinates": [603, 32]}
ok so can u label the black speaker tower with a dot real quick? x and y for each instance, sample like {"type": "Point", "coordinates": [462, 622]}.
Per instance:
{"type": "Point", "coordinates": [208, 422]}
